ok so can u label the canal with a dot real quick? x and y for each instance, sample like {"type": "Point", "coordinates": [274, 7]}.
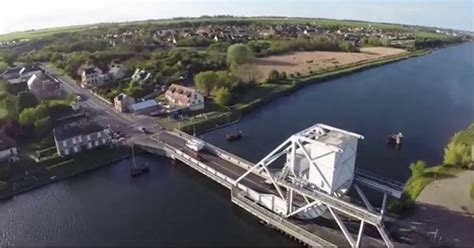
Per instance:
{"type": "Point", "coordinates": [427, 98]}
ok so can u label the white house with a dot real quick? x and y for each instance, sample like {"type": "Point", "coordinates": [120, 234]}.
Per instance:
{"type": "Point", "coordinates": [141, 76]}
{"type": "Point", "coordinates": [8, 150]}
{"type": "Point", "coordinates": [183, 96]}
{"type": "Point", "coordinates": [27, 71]}
{"type": "Point", "coordinates": [93, 77]}
{"type": "Point", "coordinates": [43, 86]}
{"type": "Point", "coordinates": [80, 136]}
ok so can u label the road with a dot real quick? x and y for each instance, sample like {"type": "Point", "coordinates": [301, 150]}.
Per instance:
{"type": "Point", "coordinates": [223, 166]}
{"type": "Point", "coordinates": [105, 113]}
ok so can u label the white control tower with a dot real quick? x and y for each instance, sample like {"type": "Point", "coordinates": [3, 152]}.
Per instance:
{"type": "Point", "coordinates": [326, 160]}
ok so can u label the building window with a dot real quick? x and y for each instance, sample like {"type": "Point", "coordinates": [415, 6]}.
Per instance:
{"type": "Point", "coordinates": [64, 143]}
{"type": "Point", "coordinates": [66, 151]}
{"type": "Point", "coordinates": [99, 134]}
{"type": "Point", "coordinates": [76, 149]}
{"type": "Point", "coordinates": [88, 138]}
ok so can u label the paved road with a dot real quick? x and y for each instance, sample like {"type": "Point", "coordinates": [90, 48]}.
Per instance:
{"type": "Point", "coordinates": [223, 166]}
{"type": "Point", "coordinates": [105, 113]}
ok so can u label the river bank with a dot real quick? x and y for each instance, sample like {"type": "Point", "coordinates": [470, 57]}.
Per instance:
{"type": "Point", "coordinates": [270, 92]}
{"type": "Point", "coordinates": [45, 172]}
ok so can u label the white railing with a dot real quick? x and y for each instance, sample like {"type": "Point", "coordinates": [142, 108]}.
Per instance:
{"type": "Point", "coordinates": [229, 157]}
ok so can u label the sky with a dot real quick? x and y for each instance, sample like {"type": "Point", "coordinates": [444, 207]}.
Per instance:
{"type": "Point", "coordinates": [35, 14]}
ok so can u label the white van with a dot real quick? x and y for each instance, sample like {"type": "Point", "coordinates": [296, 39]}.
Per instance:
{"type": "Point", "coordinates": [195, 145]}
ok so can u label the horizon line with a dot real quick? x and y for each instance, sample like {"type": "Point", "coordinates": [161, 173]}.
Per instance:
{"type": "Point", "coordinates": [223, 16]}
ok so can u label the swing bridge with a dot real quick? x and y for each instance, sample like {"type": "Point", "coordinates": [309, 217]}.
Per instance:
{"type": "Point", "coordinates": [300, 188]}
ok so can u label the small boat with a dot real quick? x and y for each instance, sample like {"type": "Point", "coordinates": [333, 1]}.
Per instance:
{"type": "Point", "coordinates": [395, 139]}
{"type": "Point", "coordinates": [234, 136]}
{"type": "Point", "coordinates": [134, 172]}
{"type": "Point", "coordinates": [137, 170]}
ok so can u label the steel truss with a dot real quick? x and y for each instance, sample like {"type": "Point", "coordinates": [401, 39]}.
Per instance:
{"type": "Point", "coordinates": [301, 196]}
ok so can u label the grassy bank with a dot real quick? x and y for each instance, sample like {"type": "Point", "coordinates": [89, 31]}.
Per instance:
{"type": "Point", "coordinates": [457, 157]}
{"type": "Point", "coordinates": [265, 93]}
{"type": "Point", "coordinates": [415, 185]}
{"type": "Point", "coordinates": [27, 175]}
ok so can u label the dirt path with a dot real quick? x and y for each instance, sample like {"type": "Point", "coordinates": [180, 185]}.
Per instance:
{"type": "Point", "coordinates": [443, 205]}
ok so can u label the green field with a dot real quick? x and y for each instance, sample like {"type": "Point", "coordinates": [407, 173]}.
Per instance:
{"type": "Point", "coordinates": [31, 34]}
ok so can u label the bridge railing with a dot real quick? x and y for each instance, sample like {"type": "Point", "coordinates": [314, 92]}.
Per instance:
{"type": "Point", "coordinates": [269, 201]}
{"type": "Point", "coordinates": [377, 182]}
{"type": "Point", "coordinates": [244, 164]}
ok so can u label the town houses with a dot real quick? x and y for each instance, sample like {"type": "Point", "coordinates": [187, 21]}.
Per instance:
{"type": "Point", "coordinates": [93, 77]}
{"type": "Point", "coordinates": [80, 135]}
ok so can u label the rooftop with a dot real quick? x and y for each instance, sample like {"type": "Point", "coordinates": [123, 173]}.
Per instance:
{"type": "Point", "coordinates": [81, 127]}
{"type": "Point", "coordinates": [92, 70]}
{"type": "Point", "coordinates": [144, 105]}
{"type": "Point", "coordinates": [329, 136]}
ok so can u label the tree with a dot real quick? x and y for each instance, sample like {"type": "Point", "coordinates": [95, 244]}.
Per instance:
{"type": "Point", "coordinates": [273, 76]}
{"type": "Point", "coordinates": [418, 168]}
{"type": "Point", "coordinates": [238, 54]}
{"type": "Point", "coordinates": [246, 73]}
{"type": "Point", "coordinates": [3, 66]}
{"type": "Point", "coordinates": [26, 100]}
{"type": "Point", "coordinates": [134, 89]}
{"type": "Point", "coordinates": [30, 115]}
{"type": "Point", "coordinates": [223, 96]}
{"type": "Point", "coordinates": [73, 63]}
{"type": "Point", "coordinates": [206, 81]}
{"type": "Point", "coordinates": [457, 154]}
{"type": "Point", "coordinates": [220, 47]}
{"type": "Point", "coordinates": [348, 46]}
{"type": "Point", "coordinates": [373, 41]}
{"type": "Point", "coordinates": [9, 59]}
{"type": "Point", "coordinates": [226, 80]}
{"type": "Point", "coordinates": [43, 127]}
{"type": "Point", "coordinates": [10, 105]}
